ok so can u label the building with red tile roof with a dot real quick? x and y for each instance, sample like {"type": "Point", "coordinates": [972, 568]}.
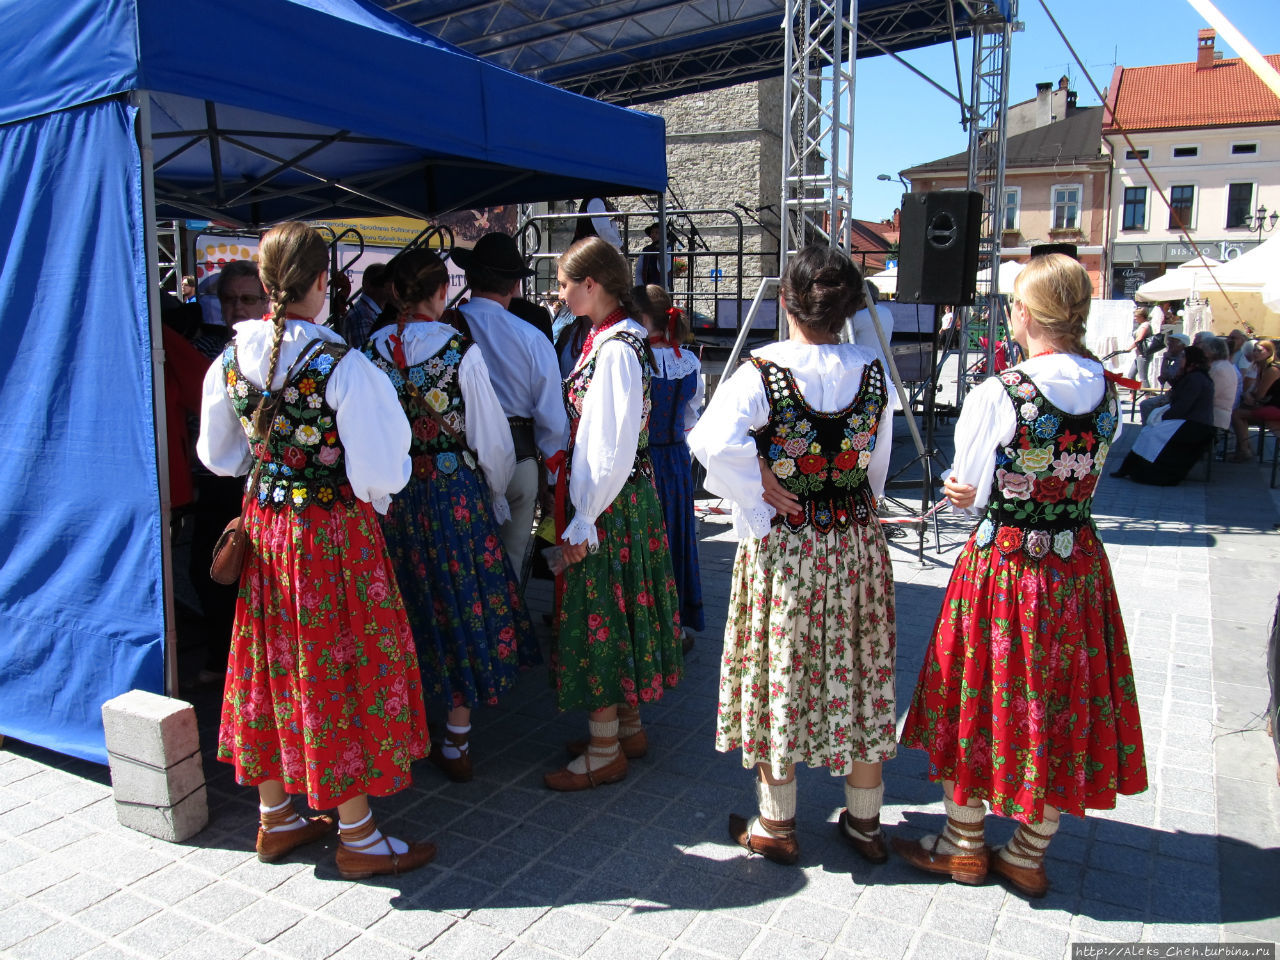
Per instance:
{"type": "Point", "coordinates": [1202, 156]}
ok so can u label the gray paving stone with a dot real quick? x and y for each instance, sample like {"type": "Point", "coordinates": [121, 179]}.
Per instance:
{"type": "Point", "coordinates": [74, 894]}
{"type": "Point", "coordinates": [569, 934]}
{"type": "Point", "coordinates": [772, 944]}
{"type": "Point", "coordinates": [109, 951]}
{"type": "Point", "coordinates": [513, 917]}
{"type": "Point", "coordinates": [265, 877]}
{"type": "Point", "coordinates": [161, 935]}
{"type": "Point", "coordinates": [814, 921]}
{"type": "Point", "coordinates": [263, 920]}
{"type": "Point", "coordinates": [1030, 940]}
{"type": "Point", "coordinates": [627, 943]}
{"type": "Point", "coordinates": [34, 875]}
{"type": "Point", "coordinates": [954, 918]}
{"type": "Point", "coordinates": [310, 892]}
{"type": "Point", "coordinates": [361, 905]}
{"type": "Point", "coordinates": [116, 914]}
{"type": "Point", "coordinates": [216, 902]}
{"type": "Point", "coordinates": [214, 945]}
{"type": "Point", "coordinates": [871, 936]}
{"type": "Point", "coordinates": [720, 935]}
{"type": "Point", "coordinates": [314, 938]}
{"type": "Point", "coordinates": [466, 940]}
{"type": "Point", "coordinates": [932, 946]}
{"type": "Point", "coordinates": [900, 904]}
{"type": "Point", "coordinates": [367, 947]}
{"type": "Point", "coordinates": [413, 929]}
{"type": "Point", "coordinates": [658, 919]}
{"type": "Point", "coordinates": [23, 920]}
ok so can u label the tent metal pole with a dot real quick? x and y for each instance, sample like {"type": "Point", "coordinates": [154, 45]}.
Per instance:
{"type": "Point", "coordinates": [142, 101]}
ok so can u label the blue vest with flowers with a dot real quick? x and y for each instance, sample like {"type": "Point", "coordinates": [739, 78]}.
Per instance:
{"type": "Point", "coordinates": [301, 461]}
{"type": "Point", "coordinates": [822, 457]}
{"type": "Point", "coordinates": [433, 384]}
{"type": "Point", "coordinates": [1042, 492]}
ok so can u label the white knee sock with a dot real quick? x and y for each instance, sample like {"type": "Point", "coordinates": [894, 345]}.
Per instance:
{"type": "Point", "coordinates": [598, 754]}
{"type": "Point", "coordinates": [295, 824]}
{"type": "Point", "coordinates": [967, 839]}
{"type": "Point", "coordinates": [628, 720]}
{"type": "Point", "coordinates": [777, 802]}
{"type": "Point", "coordinates": [369, 843]}
{"type": "Point", "coordinates": [451, 750]}
{"type": "Point", "coordinates": [863, 803]}
{"type": "Point", "coordinates": [1029, 843]}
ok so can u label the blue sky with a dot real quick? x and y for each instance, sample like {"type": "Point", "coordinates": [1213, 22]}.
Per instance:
{"type": "Point", "coordinates": [900, 120]}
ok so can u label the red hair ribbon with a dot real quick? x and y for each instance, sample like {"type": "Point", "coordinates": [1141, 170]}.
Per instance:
{"type": "Point", "coordinates": [673, 318]}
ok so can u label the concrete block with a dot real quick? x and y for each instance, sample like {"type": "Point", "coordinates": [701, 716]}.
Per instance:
{"type": "Point", "coordinates": [157, 775]}
{"type": "Point", "coordinates": [175, 824]}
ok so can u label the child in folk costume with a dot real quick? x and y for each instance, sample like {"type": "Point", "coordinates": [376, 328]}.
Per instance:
{"type": "Point", "coordinates": [322, 693]}
{"type": "Point", "coordinates": [469, 620]}
{"type": "Point", "coordinates": [618, 638]}
{"type": "Point", "coordinates": [1026, 697]}
{"type": "Point", "coordinates": [799, 440]}
{"type": "Point", "coordinates": [676, 391]}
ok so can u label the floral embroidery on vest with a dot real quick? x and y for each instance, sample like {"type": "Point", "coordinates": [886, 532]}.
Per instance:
{"type": "Point", "coordinates": [575, 390]}
{"type": "Point", "coordinates": [301, 460]}
{"type": "Point", "coordinates": [434, 383]}
{"type": "Point", "coordinates": [822, 457]}
{"type": "Point", "coordinates": [1042, 491]}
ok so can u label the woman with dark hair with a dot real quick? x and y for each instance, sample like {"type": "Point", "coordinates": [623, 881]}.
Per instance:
{"type": "Point", "coordinates": [677, 391]}
{"type": "Point", "coordinates": [460, 589]}
{"type": "Point", "coordinates": [799, 440]}
{"type": "Point", "coordinates": [322, 695]}
{"type": "Point", "coordinates": [618, 638]}
{"type": "Point", "coordinates": [1260, 399]}
{"type": "Point", "coordinates": [1026, 697]}
{"type": "Point", "coordinates": [1179, 433]}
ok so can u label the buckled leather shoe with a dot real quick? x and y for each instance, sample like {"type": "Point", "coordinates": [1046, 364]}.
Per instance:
{"type": "Point", "coordinates": [566, 781]}
{"type": "Point", "coordinates": [780, 849]}
{"type": "Point", "coordinates": [457, 769]}
{"type": "Point", "coordinates": [273, 846]}
{"type": "Point", "coordinates": [968, 868]}
{"type": "Point", "coordinates": [355, 865]}
{"type": "Point", "coordinates": [865, 836]}
{"type": "Point", "coordinates": [1029, 881]}
{"type": "Point", "coordinates": [633, 747]}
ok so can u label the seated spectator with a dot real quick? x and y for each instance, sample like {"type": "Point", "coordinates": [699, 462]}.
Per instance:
{"type": "Point", "coordinates": [1260, 402]}
{"type": "Point", "coordinates": [1167, 448]}
{"type": "Point", "coordinates": [1170, 367]}
{"type": "Point", "coordinates": [1226, 383]}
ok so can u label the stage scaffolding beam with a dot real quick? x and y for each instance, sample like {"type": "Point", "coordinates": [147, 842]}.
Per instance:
{"type": "Point", "coordinates": [989, 104]}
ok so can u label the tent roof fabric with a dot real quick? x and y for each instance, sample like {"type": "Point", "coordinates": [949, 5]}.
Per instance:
{"type": "Point", "coordinates": [271, 109]}
{"type": "Point", "coordinates": [645, 50]}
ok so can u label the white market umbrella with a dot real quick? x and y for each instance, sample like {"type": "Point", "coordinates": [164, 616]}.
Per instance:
{"type": "Point", "coordinates": [1197, 274]}
{"type": "Point", "coordinates": [886, 281]}
{"type": "Point", "coordinates": [1252, 270]}
{"type": "Point", "coordinates": [1009, 270]}
{"type": "Point", "coordinates": [1271, 294]}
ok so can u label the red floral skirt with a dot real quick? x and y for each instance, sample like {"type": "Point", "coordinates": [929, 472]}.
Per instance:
{"type": "Point", "coordinates": [1026, 695]}
{"type": "Point", "coordinates": [323, 691]}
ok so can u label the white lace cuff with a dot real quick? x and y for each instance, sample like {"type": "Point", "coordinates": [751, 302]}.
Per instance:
{"type": "Point", "coordinates": [581, 530]}
{"type": "Point", "coordinates": [501, 510]}
{"type": "Point", "coordinates": [381, 504]}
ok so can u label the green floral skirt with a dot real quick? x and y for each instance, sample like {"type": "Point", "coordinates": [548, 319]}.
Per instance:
{"type": "Point", "coordinates": [619, 624]}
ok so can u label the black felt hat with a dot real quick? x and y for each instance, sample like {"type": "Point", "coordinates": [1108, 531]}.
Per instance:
{"type": "Point", "coordinates": [494, 251]}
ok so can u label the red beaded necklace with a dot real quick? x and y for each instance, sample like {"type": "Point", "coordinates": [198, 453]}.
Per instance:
{"type": "Point", "coordinates": [614, 318]}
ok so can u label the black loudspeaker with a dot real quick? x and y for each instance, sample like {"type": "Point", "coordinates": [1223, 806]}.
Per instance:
{"type": "Point", "coordinates": [938, 247]}
{"type": "Point", "coordinates": [1044, 249]}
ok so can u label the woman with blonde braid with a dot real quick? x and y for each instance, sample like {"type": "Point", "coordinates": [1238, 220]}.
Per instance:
{"type": "Point", "coordinates": [468, 617]}
{"type": "Point", "coordinates": [323, 695]}
{"type": "Point", "coordinates": [1026, 698]}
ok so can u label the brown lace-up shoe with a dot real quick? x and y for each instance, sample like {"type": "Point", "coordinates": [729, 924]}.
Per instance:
{"type": "Point", "coordinates": [273, 846]}
{"type": "Point", "coordinates": [780, 848]}
{"type": "Point", "coordinates": [864, 836]}
{"type": "Point", "coordinates": [1029, 881]}
{"type": "Point", "coordinates": [358, 865]}
{"type": "Point", "coordinates": [633, 747]}
{"type": "Point", "coordinates": [566, 781]}
{"type": "Point", "coordinates": [968, 868]}
{"type": "Point", "coordinates": [457, 769]}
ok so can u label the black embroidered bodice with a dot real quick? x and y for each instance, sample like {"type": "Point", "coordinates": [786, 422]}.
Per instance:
{"type": "Point", "coordinates": [575, 391]}
{"type": "Point", "coordinates": [822, 457]}
{"type": "Point", "coordinates": [301, 461]}
{"type": "Point", "coordinates": [1042, 490]}
{"type": "Point", "coordinates": [433, 384]}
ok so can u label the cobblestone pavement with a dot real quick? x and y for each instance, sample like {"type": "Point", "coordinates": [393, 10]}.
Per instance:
{"type": "Point", "coordinates": [644, 869]}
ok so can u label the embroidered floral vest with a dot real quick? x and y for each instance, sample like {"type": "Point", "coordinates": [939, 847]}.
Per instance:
{"type": "Point", "coordinates": [822, 457]}
{"type": "Point", "coordinates": [1042, 491]}
{"type": "Point", "coordinates": [575, 390]}
{"type": "Point", "coordinates": [302, 462]}
{"type": "Point", "coordinates": [432, 384]}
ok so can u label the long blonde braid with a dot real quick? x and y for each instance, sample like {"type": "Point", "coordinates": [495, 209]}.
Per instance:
{"type": "Point", "coordinates": [290, 257]}
{"type": "Point", "coordinates": [1057, 291]}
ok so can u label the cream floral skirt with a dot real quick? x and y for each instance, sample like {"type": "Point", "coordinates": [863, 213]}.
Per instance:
{"type": "Point", "coordinates": [807, 674]}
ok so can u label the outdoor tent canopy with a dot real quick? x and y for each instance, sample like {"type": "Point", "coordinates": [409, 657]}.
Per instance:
{"type": "Point", "coordinates": [258, 110]}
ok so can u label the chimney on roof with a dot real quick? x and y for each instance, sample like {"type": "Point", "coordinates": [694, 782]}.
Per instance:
{"type": "Point", "coordinates": [1204, 49]}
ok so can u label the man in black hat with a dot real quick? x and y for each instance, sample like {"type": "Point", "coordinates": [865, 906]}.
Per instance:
{"type": "Point", "coordinates": [648, 264]}
{"type": "Point", "coordinates": [524, 371]}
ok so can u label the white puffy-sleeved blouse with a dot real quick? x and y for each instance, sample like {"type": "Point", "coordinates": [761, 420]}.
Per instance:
{"type": "Point", "coordinates": [487, 431]}
{"type": "Point", "coordinates": [987, 421]}
{"type": "Point", "coordinates": [671, 367]}
{"type": "Point", "coordinates": [828, 376]}
{"type": "Point", "coordinates": [371, 424]}
{"type": "Point", "coordinates": [604, 448]}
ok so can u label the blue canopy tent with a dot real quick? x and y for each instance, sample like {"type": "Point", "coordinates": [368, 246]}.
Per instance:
{"type": "Point", "coordinates": [116, 112]}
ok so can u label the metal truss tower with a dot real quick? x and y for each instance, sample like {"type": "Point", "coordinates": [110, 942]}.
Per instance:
{"type": "Point", "coordinates": [821, 39]}
{"type": "Point", "coordinates": [989, 90]}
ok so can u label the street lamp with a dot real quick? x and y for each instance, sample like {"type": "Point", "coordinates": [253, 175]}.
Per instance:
{"type": "Point", "coordinates": [887, 178]}
{"type": "Point", "coordinates": [1261, 221]}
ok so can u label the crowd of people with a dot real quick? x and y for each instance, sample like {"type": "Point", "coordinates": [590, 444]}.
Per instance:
{"type": "Point", "coordinates": [382, 581]}
{"type": "Point", "coordinates": [1212, 387]}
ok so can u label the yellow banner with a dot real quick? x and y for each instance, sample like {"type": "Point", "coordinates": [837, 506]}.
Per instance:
{"type": "Point", "coordinates": [379, 231]}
